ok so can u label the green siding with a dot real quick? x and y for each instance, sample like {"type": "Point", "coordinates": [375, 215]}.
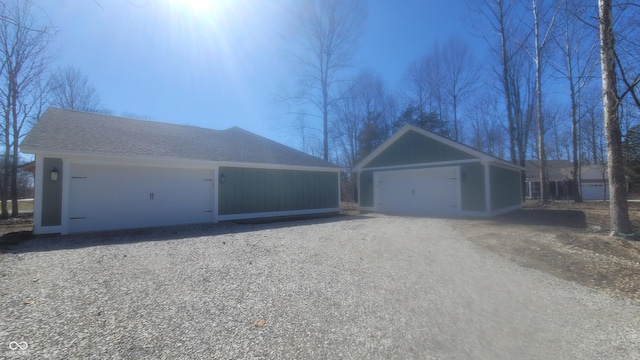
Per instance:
{"type": "Point", "coordinates": [505, 188]}
{"type": "Point", "coordinates": [366, 189]}
{"type": "Point", "coordinates": [414, 148]}
{"type": "Point", "coordinates": [472, 187]}
{"type": "Point", "coordinates": [51, 193]}
{"type": "Point", "coordinates": [247, 190]}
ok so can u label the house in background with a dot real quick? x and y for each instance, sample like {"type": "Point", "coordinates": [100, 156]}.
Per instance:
{"type": "Point", "coordinates": [560, 179]}
{"type": "Point", "coordinates": [416, 172]}
{"type": "Point", "coordinates": [594, 180]}
{"type": "Point", "coordinates": [97, 172]}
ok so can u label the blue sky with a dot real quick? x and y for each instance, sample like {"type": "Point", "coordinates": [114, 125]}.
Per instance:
{"type": "Point", "coordinates": [218, 65]}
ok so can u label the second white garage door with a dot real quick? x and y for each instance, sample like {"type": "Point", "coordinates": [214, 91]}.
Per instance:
{"type": "Point", "coordinates": [119, 197]}
{"type": "Point", "coordinates": [419, 192]}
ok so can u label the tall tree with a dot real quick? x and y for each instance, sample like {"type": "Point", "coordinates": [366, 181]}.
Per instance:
{"type": "Point", "coordinates": [497, 16]}
{"type": "Point", "coordinates": [363, 117]}
{"type": "Point", "coordinates": [424, 95]}
{"type": "Point", "coordinates": [543, 19]}
{"type": "Point", "coordinates": [24, 58]}
{"type": "Point", "coordinates": [618, 206]}
{"type": "Point", "coordinates": [325, 35]}
{"type": "Point", "coordinates": [461, 73]}
{"type": "Point", "coordinates": [577, 43]}
{"type": "Point", "coordinates": [70, 89]}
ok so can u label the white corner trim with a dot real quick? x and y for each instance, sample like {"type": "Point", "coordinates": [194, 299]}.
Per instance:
{"type": "Point", "coordinates": [276, 214]}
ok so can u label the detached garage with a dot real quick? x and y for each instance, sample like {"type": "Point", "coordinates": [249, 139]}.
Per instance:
{"type": "Point", "coordinates": [97, 172]}
{"type": "Point", "coordinates": [418, 173]}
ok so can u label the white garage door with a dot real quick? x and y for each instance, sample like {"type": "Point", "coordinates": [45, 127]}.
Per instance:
{"type": "Point", "coordinates": [422, 192]}
{"type": "Point", "coordinates": [119, 197]}
{"type": "Point", "coordinates": [594, 191]}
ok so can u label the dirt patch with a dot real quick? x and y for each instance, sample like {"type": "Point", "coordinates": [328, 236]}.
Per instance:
{"type": "Point", "coordinates": [15, 230]}
{"type": "Point", "coordinates": [567, 240]}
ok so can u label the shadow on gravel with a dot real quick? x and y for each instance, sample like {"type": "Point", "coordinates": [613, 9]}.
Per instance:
{"type": "Point", "coordinates": [548, 217]}
{"type": "Point", "coordinates": [25, 242]}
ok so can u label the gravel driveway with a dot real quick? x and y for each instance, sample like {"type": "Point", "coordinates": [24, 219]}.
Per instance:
{"type": "Point", "coordinates": [368, 287]}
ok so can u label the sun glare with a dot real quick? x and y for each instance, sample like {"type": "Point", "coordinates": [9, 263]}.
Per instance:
{"type": "Point", "coordinates": [201, 7]}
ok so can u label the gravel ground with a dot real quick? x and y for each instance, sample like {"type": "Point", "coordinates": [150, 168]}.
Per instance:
{"type": "Point", "coordinates": [367, 287]}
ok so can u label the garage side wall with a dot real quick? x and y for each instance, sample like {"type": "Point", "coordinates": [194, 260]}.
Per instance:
{"type": "Point", "coordinates": [472, 186]}
{"type": "Point", "coordinates": [253, 191]}
{"type": "Point", "coordinates": [505, 188]}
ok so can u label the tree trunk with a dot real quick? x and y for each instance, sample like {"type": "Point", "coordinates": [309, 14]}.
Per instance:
{"type": "Point", "coordinates": [15, 156]}
{"type": "Point", "coordinates": [505, 84]}
{"type": "Point", "coordinates": [542, 156]}
{"type": "Point", "coordinates": [6, 166]}
{"type": "Point", "coordinates": [620, 223]}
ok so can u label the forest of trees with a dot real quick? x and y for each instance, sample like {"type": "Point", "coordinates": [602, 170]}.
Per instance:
{"type": "Point", "coordinates": [28, 85]}
{"type": "Point", "coordinates": [536, 95]}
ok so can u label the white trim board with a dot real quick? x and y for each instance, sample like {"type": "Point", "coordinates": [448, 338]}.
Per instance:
{"type": "Point", "coordinates": [276, 214]}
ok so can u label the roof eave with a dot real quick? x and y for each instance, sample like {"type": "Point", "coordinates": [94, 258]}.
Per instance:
{"type": "Point", "coordinates": [116, 157]}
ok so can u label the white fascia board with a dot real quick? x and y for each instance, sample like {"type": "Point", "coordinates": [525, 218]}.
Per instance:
{"type": "Point", "coordinates": [502, 164]}
{"type": "Point", "coordinates": [276, 214]}
{"type": "Point", "coordinates": [278, 166]}
{"type": "Point", "coordinates": [109, 159]}
{"type": "Point", "coordinates": [422, 165]}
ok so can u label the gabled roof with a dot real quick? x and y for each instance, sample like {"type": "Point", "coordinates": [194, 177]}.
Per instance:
{"type": "Point", "coordinates": [68, 131]}
{"type": "Point", "coordinates": [559, 170]}
{"type": "Point", "coordinates": [481, 156]}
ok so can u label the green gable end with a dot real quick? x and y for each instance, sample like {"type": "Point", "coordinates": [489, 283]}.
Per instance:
{"type": "Point", "coordinates": [414, 148]}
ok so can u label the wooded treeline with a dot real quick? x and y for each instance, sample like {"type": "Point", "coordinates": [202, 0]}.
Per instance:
{"type": "Point", "coordinates": [535, 95]}
{"type": "Point", "coordinates": [28, 85]}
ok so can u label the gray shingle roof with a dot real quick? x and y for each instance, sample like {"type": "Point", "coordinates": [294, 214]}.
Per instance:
{"type": "Point", "coordinates": [60, 130]}
{"type": "Point", "coordinates": [557, 170]}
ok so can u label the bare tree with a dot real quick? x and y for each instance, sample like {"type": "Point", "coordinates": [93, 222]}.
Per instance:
{"type": "Point", "coordinates": [423, 89]}
{"type": "Point", "coordinates": [591, 131]}
{"type": "Point", "coordinates": [496, 17]}
{"type": "Point", "coordinates": [543, 17]}
{"type": "Point", "coordinates": [24, 58]}
{"type": "Point", "coordinates": [619, 210]}
{"type": "Point", "coordinates": [487, 131]}
{"type": "Point", "coordinates": [70, 89]}
{"type": "Point", "coordinates": [363, 116]}
{"type": "Point", "coordinates": [577, 43]}
{"type": "Point", "coordinates": [461, 73]}
{"type": "Point", "coordinates": [324, 35]}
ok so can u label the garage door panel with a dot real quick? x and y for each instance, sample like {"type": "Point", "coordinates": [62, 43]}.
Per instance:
{"type": "Point", "coordinates": [423, 192]}
{"type": "Point", "coordinates": [113, 197]}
